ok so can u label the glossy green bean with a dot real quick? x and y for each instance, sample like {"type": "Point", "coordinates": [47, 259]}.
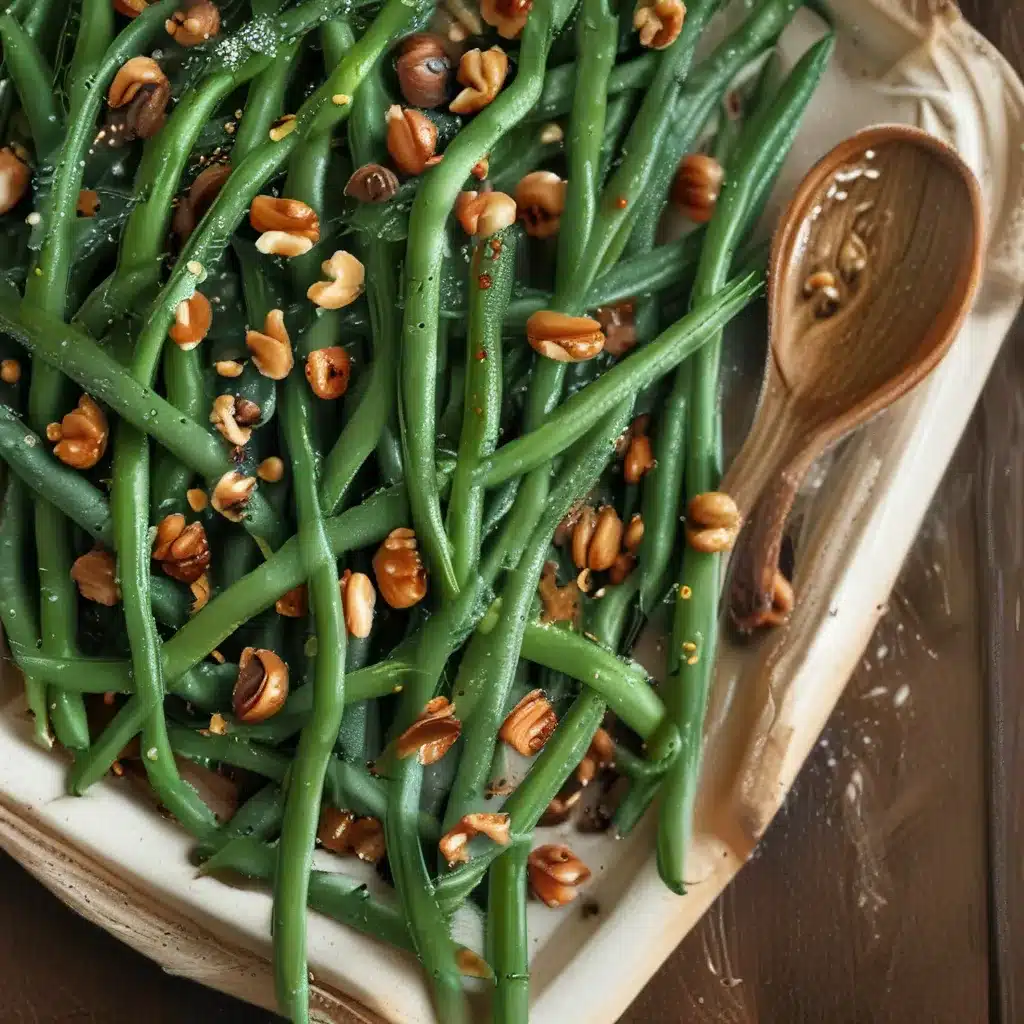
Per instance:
{"type": "Point", "coordinates": [33, 79]}
{"type": "Point", "coordinates": [507, 936]}
{"type": "Point", "coordinates": [562, 83]}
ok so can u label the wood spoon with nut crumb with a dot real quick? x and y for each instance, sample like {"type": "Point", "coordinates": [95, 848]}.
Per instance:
{"type": "Point", "coordinates": [873, 268]}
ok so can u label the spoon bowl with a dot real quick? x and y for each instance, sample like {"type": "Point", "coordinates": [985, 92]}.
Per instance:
{"type": "Point", "coordinates": [873, 268]}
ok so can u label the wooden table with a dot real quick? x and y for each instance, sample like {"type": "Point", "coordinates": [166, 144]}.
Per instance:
{"type": "Point", "coordinates": [891, 886]}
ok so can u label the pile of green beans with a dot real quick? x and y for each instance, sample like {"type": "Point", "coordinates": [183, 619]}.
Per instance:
{"type": "Point", "coordinates": [443, 480]}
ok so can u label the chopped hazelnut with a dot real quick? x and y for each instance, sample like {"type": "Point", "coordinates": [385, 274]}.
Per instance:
{"type": "Point", "coordinates": [281, 243]}
{"type": "Point", "coordinates": [10, 371]}
{"type": "Point", "coordinates": [712, 522]}
{"type": "Point", "coordinates": [138, 95]}
{"type": "Point", "coordinates": [619, 325]}
{"type": "Point", "coordinates": [228, 368]}
{"type": "Point", "coordinates": [634, 534]}
{"type": "Point", "coordinates": [485, 213]}
{"type": "Point", "coordinates": [401, 577]}
{"type": "Point", "coordinates": [262, 685]}
{"type": "Point", "coordinates": [433, 733]}
{"type": "Point", "coordinates": [454, 843]}
{"type": "Point", "coordinates": [81, 436]}
{"type": "Point", "coordinates": [540, 199]}
{"type": "Point", "coordinates": [343, 833]}
{"type": "Point", "coordinates": [272, 348]}
{"type": "Point", "coordinates": [96, 575]}
{"type": "Point", "coordinates": [423, 70]}
{"type": "Point", "coordinates": [345, 278]}
{"type": "Point", "coordinates": [223, 417]}
{"type": "Point", "coordinates": [328, 371]}
{"type": "Point", "coordinates": [198, 200]}
{"type": "Point", "coordinates": [192, 321]}
{"type": "Point", "coordinates": [507, 16]}
{"type": "Point", "coordinates": [14, 179]}
{"type": "Point", "coordinates": [372, 183]}
{"type": "Point", "coordinates": [130, 8]}
{"type": "Point", "coordinates": [200, 593]}
{"type": "Point", "coordinates": [358, 601]}
{"type": "Point", "coordinates": [560, 604]}
{"type": "Point", "coordinates": [696, 187]}
{"type": "Point", "coordinates": [529, 724]}
{"type": "Point", "coordinates": [182, 551]}
{"type": "Point", "coordinates": [197, 499]}
{"type": "Point", "coordinates": [659, 22]}
{"type": "Point", "coordinates": [231, 494]}
{"type": "Point", "coordinates": [294, 604]}
{"type": "Point", "coordinates": [88, 203]}
{"type": "Point", "coordinates": [555, 873]}
{"type": "Point", "coordinates": [412, 139]}
{"type": "Point", "coordinates": [564, 338]}
{"type": "Point", "coordinates": [271, 469]}
{"type": "Point", "coordinates": [196, 24]}
{"type": "Point", "coordinates": [483, 74]}
{"type": "Point", "coordinates": [639, 459]}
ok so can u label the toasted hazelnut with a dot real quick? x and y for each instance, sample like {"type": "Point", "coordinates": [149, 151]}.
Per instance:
{"type": "Point", "coordinates": [192, 321]}
{"type": "Point", "coordinates": [283, 127]}
{"type": "Point", "coordinates": [559, 811]}
{"type": "Point", "coordinates": [555, 873]}
{"type": "Point", "coordinates": [182, 551]}
{"type": "Point", "coordinates": [82, 435]}
{"type": "Point", "coordinates": [199, 199]}
{"type": "Point", "coordinates": [412, 139]}
{"type": "Point", "coordinates": [606, 541]}
{"type": "Point", "coordinates": [228, 368]}
{"type": "Point", "coordinates": [453, 843]}
{"type": "Point", "coordinates": [659, 22]}
{"type": "Point", "coordinates": [564, 338]}
{"type": "Point", "coordinates": [138, 95]}
{"type": "Point", "coordinates": [483, 74]}
{"type": "Point", "coordinates": [472, 964]}
{"type": "Point", "coordinates": [358, 600]}
{"type": "Point", "coordinates": [540, 199]}
{"type": "Point", "coordinates": [372, 183]}
{"type": "Point", "coordinates": [639, 460]}
{"type": "Point", "coordinates": [560, 604]}
{"type": "Point", "coordinates": [200, 594]}
{"type": "Point", "coordinates": [712, 522]}
{"type": "Point", "coordinates": [197, 499]}
{"type": "Point", "coordinates": [280, 243]}
{"type": "Point", "coordinates": [268, 214]}
{"type": "Point", "coordinates": [345, 278]}
{"type": "Point", "coordinates": [600, 754]}
{"type": "Point", "coordinates": [247, 413]}
{"type": "Point", "coordinates": [507, 16]}
{"type": "Point", "coordinates": [88, 203]}
{"type": "Point", "coordinates": [271, 470]}
{"type": "Point", "coordinates": [96, 575]}
{"type": "Point", "coordinates": [130, 8]}
{"type": "Point", "coordinates": [433, 733]}
{"type": "Point", "coordinates": [423, 70]}
{"type": "Point", "coordinates": [262, 685]}
{"type": "Point", "coordinates": [328, 370]}
{"type": "Point", "coordinates": [222, 416]}
{"type": "Point", "coordinates": [696, 187]}
{"type": "Point", "coordinates": [624, 564]}
{"type": "Point", "coordinates": [10, 371]}
{"type": "Point", "coordinates": [634, 534]}
{"type": "Point", "coordinates": [401, 577]}
{"type": "Point", "coordinates": [271, 348]}
{"type": "Point", "coordinates": [196, 24]}
{"type": "Point", "coordinates": [582, 534]}
{"type": "Point", "coordinates": [231, 494]}
{"type": "Point", "coordinates": [294, 604]}
{"type": "Point", "coordinates": [343, 833]}
{"type": "Point", "coordinates": [619, 325]}
{"type": "Point", "coordinates": [529, 724]}
{"type": "Point", "coordinates": [485, 213]}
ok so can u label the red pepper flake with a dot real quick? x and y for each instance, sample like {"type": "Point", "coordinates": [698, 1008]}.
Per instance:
{"type": "Point", "coordinates": [481, 354]}
{"type": "Point", "coordinates": [484, 281]}
{"type": "Point", "coordinates": [622, 202]}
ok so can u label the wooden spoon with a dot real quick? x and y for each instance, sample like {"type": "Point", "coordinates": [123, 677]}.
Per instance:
{"type": "Point", "coordinates": [873, 268]}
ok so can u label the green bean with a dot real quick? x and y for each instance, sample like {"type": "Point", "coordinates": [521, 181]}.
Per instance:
{"type": "Point", "coordinates": [33, 80]}
{"type": "Point", "coordinates": [258, 818]}
{"type": "Point", "coordinates": [562, 83]}
{"type": "Point", "coordinates": [17, 608]}
{"type": "Point", "coordinates": [253, 757]}
{"type": "Point", "coordinates": [507, 936]}
{"type": "Point", "coordinates": [762, 146]}
{"type": "Point", "coordinates": [424, 256]}
{"type": "Point", "coordinates": [490, 285]}
{"type": "Point", "coordinates": [81, 359]}
{"type": "Point", "coordinates": [522, 151]}
{"type": "Point", "coordinates": [582, 410]}
{"type": "Point", "coordinates": [485, 677]}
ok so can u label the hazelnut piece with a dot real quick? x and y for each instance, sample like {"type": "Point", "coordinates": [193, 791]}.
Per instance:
{"type": "Point", "coordinates": [81, 436]}
{"type": "Point", "coordinates": [540, 199]}
{"type": "Point", "coordinates": [271, 348]}
{"type": "Point", "coordinates": [192, 321]}
{"type": "Point", "coordinates": [372, 183]}
{"type": "Point", "coordinates": [261, 687]}
{"type": "Point", "coordinates": [182, 551]}
{"type": "Point", "coordinates": [96, 575]}
{"type": "Point", "coordinates": [423, 70]}
{"type": "Point", "coordinates": [412, 139]}
{"type": "Point", "coordinates": [696, 187]}
{"type": "Point", "coordinates": [555, 873]}
{"type": "Point", "coordinates": [345, 278]}
{"type": "Point", "coordinates": [328, 371]}
{"type": "Point", "coordinates": [564, 338]}
{"type": "Point", "coordinates": [433, 733]}
{"type": "Point", "coordinates": [483, 74]}
{"type": "Point", "coordinates": [401, 577]}
{"type": "Point", "coordinates": [712, 522]}
{"type": "Point", "coordinates": [529, 724]}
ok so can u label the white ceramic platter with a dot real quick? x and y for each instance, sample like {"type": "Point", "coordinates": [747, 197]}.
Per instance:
{"type": "Point", "coordinates": [116, 861]}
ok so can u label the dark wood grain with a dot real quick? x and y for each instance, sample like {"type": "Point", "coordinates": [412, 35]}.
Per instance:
{"type": "Point", "coordinates": [889, 889]}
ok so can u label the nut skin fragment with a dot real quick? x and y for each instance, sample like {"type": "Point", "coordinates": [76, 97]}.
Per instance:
{"type": "Point", "coordinates": [343, 833]}
{"type": "Point", "coordinates": [231, 494]}
{"type": "Point", "coordinates": [555, 873]}
{"type": "Point", "coordinates": [224, 417]}
{"type": "Point", "coordinates": [198, 200]}
{"type": "Point", "coordinates": [196, 24]}
{"type": "Point", "coordinates": [271, 348]}
{"type": "Point", "coordinates": [345, 279]}
{"type": "Point", "coordinates": [433, 733]}
{"type": "Point", "coordinates": [291, 216]}
{"type": "Point", "coordinates": [485, 213]}
{"type": "Point", "coordinates": [411, 139]}
{"type": "Point", "coordinates": [182, 551]}
{"type": "Point", "coordinates": [192, 321]}
{"type": "Point", "coordinates": [138, 95]}
{"type": "Point", "coordinates": [529, 724]}
{"type": "Point", "coordinates": [262, 685]}
{"type": "Point", "coordinates": [372, 183]}
{"type": "Point", "coordinates": [483, 74]}
{"type": "Point", "coordinates": [328, 371]}
{"type": "Point", "coordinates": [358, 600]}
{"type": "Point", "coordinates": [453, 844]}
{"type": "Point", "coordinates": [639, 459]}
{"type": "Point", "coordinates": [14, 179]}
{"type": "Point", "coordinates": [423, 70]}
{"type": "Point", "coordinates": [95, 573]}
{"type": "Point", "coordinates": [540, 199]}
{"type": "Point", "coordinates": [697, 186]}
{"type": "Point", "coordinates": [712, 522]}
{"type": "Point", "coordinates": [564, 338]}
{"type": "Point", "coordinates": [398, 568]}
{"type": "Point", "coordinates": [659, 23]}
{"type": "Point", "coordinates": [507, 16]}
{"type": "Point", "coordinates": [606, 541]}
{"type": "Point", "coordinates": [294, 604]}
{"type": "Point", "coordinates": [200, 592]}
{"type": "Point", "coordinates": [81, 436]}
{"type": "Point", "coordinates": [559, 604]}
